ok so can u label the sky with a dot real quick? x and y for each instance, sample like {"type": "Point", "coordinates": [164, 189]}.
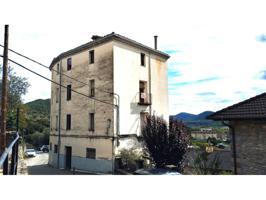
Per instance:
{"type": "Point", "coordinates": [217, 48]}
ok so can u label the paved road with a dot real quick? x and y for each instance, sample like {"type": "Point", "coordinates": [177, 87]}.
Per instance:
{"type": "Point", "coordinates": [39, 166]}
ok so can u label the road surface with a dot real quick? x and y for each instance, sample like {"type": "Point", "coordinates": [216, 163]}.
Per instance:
{"type": "Point", "coordinates": [39, 166]}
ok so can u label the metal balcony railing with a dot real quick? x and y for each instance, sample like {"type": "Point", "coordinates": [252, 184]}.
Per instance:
{"type": "Point", "coordinates": [144, 98]}
{"type": "Point", "coordinates": [10, 167]}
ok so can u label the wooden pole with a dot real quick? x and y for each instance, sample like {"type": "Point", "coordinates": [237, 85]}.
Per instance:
{"type": "Point", "coordinates": [4, 93]}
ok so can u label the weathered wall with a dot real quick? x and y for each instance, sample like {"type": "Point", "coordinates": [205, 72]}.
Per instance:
{"type": "Point", "coordinates": [127, 74]}
{"type": "Point", "coordinates": [250, 146]}
{"type": "Point", "coordinates": [79, 137]}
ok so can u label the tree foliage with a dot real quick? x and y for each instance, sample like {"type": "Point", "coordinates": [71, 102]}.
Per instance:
{"type": "Point", "coordinates": [165, 144]}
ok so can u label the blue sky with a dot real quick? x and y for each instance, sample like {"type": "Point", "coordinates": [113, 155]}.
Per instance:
{"type": "Point", "coordinates": [217, 48]}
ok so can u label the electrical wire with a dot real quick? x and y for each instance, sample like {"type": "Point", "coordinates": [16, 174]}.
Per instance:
{"type": "Point", "coordinates": [58, 83]}
{"type": "Point", "coordinates": [54, 70]}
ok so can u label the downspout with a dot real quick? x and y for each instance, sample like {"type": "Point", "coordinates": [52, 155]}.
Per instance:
{"type": "Point", "coordinates": [149, 74]}
{"type": "Point", "coordinates": [59, 117]}
{"type": "Point", "coordinates": [117, 131]}
{"type": "Point", "coordinates": [233, 144]}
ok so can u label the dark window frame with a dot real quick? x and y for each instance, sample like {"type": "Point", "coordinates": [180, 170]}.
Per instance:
{"type": "Point", "coordinates": [57, 95]}
{"type": "Point", "coordinates": [51, 146]}
{"type": "Point", "coordinates": [142, 59]}
{"type": "Point", "coordinates": [91, 57]}
{"type": "Point", "coordinates": [92, 88]}
{"type": "Point", "coordinates": [68, 122]}
{"type": "Point", "coordinates": [57, 69]}
{"type": "Point", "coordinates": [91, 153]}
{"type": "Point", "coordinates": [68, 98]}
{"type": "Point", "coordinates": [56, 123]}
{"type": "Point", "coordinates": [55, 148]}
{"type": "Point", "coordinates": [69, 64]}
{"type": "Point", "coordinates": [91, 121]}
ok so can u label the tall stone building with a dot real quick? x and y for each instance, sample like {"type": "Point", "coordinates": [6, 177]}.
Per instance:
{"type": "Point", "coordinates": [121, 81]}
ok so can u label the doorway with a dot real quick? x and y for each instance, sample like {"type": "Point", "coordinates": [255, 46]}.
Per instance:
{"type": "Point", "coordinates": [68, 157]}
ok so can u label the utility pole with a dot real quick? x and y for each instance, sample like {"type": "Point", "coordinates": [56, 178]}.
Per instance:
{"type": "Point", "coordinates": [4, 101]}
{"type": "Point", "coordinates": [4, 93]}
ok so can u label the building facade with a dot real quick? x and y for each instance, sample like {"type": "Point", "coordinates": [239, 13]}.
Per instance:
{"type": "Point", "coordinates": [107, 87]}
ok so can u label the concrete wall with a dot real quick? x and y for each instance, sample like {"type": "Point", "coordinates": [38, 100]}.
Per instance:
{"type": "Point", "coordinates": [250, 146]}
{"type": "Point", "coordinates": [127, 74]}
{"type": "Point", "coordinates": [117, 69]}
{"type": "Point", "coordinates": [79, 137]}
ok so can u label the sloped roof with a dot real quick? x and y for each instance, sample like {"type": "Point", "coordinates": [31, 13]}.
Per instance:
{"type": "Point", "coordinates": [107, 38]}
{"type": "Point", "coordinates": [253, 108]}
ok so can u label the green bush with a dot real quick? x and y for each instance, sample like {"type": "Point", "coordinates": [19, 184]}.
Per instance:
{"type": "Point", "coordinates": [130, 159]}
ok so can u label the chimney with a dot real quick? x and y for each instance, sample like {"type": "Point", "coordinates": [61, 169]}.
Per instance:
{"type": "Point", "coordinates": [155, 42]}
{"type": "Point", "coordinates": [96, 37]}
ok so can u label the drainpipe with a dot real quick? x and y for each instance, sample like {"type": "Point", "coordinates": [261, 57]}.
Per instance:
{"type": "Point", "coordinates": [117, 97]}
{"type": "Point", "coordinates": [233, 144]}
{"type": "Point", "coordinates": [149, 74]}
{"type": "Point", "coordinates": [59, 116]}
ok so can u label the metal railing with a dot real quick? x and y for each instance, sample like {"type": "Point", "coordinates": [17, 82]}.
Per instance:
{"type": "Point", "coordinates": [10, 167]}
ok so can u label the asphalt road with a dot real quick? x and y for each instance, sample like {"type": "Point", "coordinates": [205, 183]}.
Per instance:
{"type": "Point", "coordinates": [39, 166]}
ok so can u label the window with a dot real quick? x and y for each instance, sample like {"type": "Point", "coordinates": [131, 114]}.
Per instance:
{"type": "Point", "coordinates": [91, 57]}
{"type": "Point", "coordinates": [91, 122]}
{"type": "Point", "coordinates": [68, 92]}
{"type": "Point", "coordinates": [68, 122]}
{"type": "Point", "coordinates": [56, 123]}
{"type": "Point", "coordinates": [69, 64]}
{"type": "Point", "coordinates": [143, 119]}
{"type": "Point", "coordinates": [143, 92]}
{"type": "Point", "coordinates": [92, 88]}
{"type": "Point", "coordinates": [57, 68]}
{"type": "Point", "coordinates": [142, 59]}
{"type": "Point", "coordinates": [91, 153]}
{"type": "Point", "coordinates": [51, 146]}
{"type": "Point", "coordinates": [57, 95]}
{"type": "Point", "coordinates": [55, 149]}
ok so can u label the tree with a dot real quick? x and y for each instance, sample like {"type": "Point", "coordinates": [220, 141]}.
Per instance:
{"type": "Point", "coordinates": [166, 145]}
{"type": "Point", "coordinates": [17, 87]}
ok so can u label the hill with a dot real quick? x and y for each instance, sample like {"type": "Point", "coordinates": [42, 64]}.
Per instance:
{"type": "Point", "coordinates": [39, 107]}
{"type": "Point", "coordinates": [199, 120]}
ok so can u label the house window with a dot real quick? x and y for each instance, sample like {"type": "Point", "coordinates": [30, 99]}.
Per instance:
{"type": "Point", "coordinates": [56, 123]}
{"type": "Point", "coordinates": [57, 95]}
{"type": "Point", "coordinates": [143, 96]}
{"type": "Point", "coordinates": [142, 59]}
{"type": "Point", "coordinates": [68, 92]}
{"type": "Point", "coordinates": [57, 68]}
{"type": "Point", "coordinates": [51, 146]}
{"type": "Point", "coordinates": [92, 88]}
{"type": "Point", "coordinates": [68, 122]}
{"type": "Point", "coordinates": [55, 148]}
{"type": "Point", "coordinates": [91, 153]}
{"type": "Point", "coordinates": [91, 122]}
{"type": "Point", "coordinates": [143, 119]}
{"type": "Point", "coordinates": [91, 57]}
{"type": "Point", "coordinates": [69, 64]}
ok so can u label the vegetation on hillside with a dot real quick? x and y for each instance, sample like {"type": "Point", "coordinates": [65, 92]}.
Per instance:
{"type": "Point", "coordinates": [33, 116]}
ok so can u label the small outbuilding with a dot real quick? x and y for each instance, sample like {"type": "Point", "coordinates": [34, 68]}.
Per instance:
{"type": "Point", "coordinates": [247, 123]}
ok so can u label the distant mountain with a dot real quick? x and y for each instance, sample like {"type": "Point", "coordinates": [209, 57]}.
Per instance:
{"type": "Point", "coordinates": [199, 120]}
{"type": "Point", "coordinates": [188, 116]}
{"type": "Point", "coordinates": [39, 107]}
{"type": "Point", "coordinates": [204, 114]}
{"type": "Point", "coordinates": [185, 116]}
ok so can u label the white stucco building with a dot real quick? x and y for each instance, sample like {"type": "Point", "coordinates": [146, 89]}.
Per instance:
{"type": "Point", "coordinates": [123, 81]}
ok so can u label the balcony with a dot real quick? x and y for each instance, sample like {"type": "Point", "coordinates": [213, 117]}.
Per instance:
{"type": "Point", "coordinates": [144, 98]}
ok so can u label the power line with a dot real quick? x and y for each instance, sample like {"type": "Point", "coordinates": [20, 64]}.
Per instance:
{"type": "Point", "coordinates": [57, 83]}
{"type": "Point", "coordinates": [54, 70]}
